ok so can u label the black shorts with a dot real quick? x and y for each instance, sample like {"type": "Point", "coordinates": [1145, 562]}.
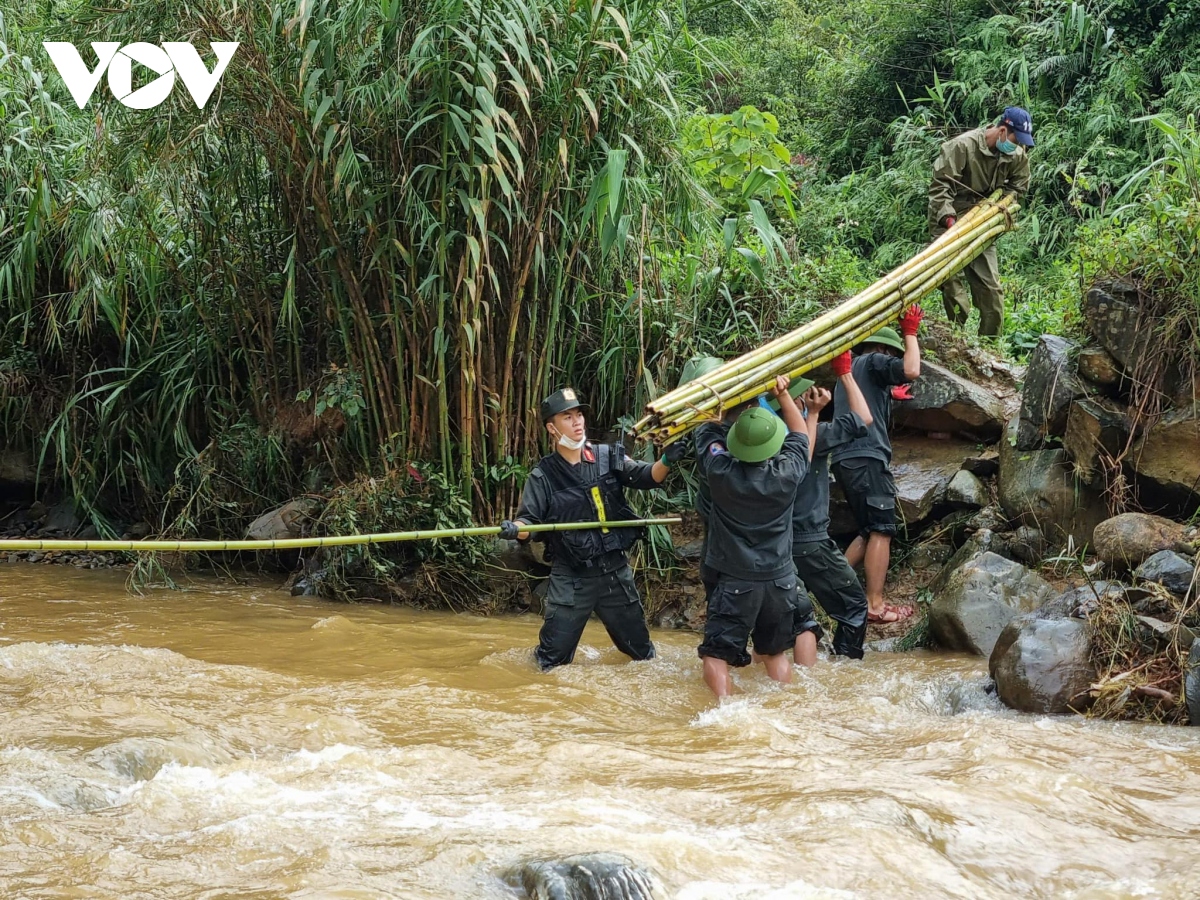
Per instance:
{"type": "Point", "coordinates": [803, 619]}
{"type": "Point", "coordinates": [871, 493]}
{"type": "Point", "coordinates": [741, 611]}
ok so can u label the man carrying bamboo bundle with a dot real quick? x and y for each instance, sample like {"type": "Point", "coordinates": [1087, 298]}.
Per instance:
{"type": "Point", "coordinates": [820, 565]}
{"type": "Point", "coordinates": [584, 482]}
{"type": "Point", "coordinates": [753, 473]}
{"type": "Point", "coordinates": [969, 168]}
{"type": "Point", "coordinates": [861, 466]}
{"type": "Point", "coordinates": [694, 368]}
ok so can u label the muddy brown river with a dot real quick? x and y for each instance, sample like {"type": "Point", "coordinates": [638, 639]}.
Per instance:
{"type": "Point", "coordinates": [232, 741]}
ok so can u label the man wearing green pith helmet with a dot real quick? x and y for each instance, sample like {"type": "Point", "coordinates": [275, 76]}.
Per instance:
{"type": "Point", "coordinates": [753, 472]}
{"type": "Point", "coordinates": [585, 482]}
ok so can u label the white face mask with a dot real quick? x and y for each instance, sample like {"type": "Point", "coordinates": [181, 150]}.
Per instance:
{"type": "Point", "coordinates": [564, 441]}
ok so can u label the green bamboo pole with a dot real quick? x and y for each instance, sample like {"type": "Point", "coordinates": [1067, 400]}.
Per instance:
{"type": "Point", "coordinates": [298, 543]}
{"type": "Point", "coordinates": [851, 332]}
{"type": "Point", "coordinates": [834, 332]}
{"type": "Point", "coordinates": [734, 372]}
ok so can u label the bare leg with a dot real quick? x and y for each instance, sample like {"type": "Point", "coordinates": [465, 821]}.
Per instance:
{"type": "Point", "coordinates": [716, 676]}
{"type": "Point", "coordinates": [856, 551]}
{"type": "Point", "coordinates": [806, 649]}
{"type": "Point", "coordinates": [779, 667]}
{"type": "Point", "coordinates": [878, 555]}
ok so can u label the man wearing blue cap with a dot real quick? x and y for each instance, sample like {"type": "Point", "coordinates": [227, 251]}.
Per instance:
{"type": "Point", "coordinates": [969, 168]}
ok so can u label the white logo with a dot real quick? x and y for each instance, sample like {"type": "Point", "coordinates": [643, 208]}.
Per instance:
{"type": "Point", "coordinates": [171, 59]}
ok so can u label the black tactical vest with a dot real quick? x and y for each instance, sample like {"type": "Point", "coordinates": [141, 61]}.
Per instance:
{"type": "Point", "coordinates": [576, 500]}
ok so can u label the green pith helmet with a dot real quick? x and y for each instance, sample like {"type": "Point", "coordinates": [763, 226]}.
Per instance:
{"type": "Point", "coordinates": [698, 366]}
{"type": "Point", "coordinates": [797, 387]}
{"type": "Point", "coordinates": [757, 435]}
{"type": "Point", "coordinates": [888, 337]}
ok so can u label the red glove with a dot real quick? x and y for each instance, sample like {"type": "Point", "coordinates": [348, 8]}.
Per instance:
{"type": "Point", "coordinates": [910, 322]}
{"type": "Point", "coordinates": [841, 364]}
{"type": "Point", "coordinates": [950, 220]}
{"type": "Point", "coordinates": [902, 392]}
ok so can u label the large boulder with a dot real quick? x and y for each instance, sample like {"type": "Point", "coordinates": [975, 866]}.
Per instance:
{"type": "Point", "coordinates": [1042, 665]}
{"type": "Point", "coordinates": [1112, 312]}
{"type": "Point", "coordinates": [1167, 459]}
{"type": "Point", "coordinates": [1038, 487]}
{"type": "Point", "coordinates": [287, 521]}
{"type": "Point", "coordinates": [590, 876]}
{"type": "Point", "coordinates": [1174, 572]}
{"type": "Point", "coordinates": [923, 469]}
{"type": "Point", "coordinates": [1191, 685]}
{"type": "Point", "coordinates": [1050, 386]}
{"type": "Point", "coordinates": [1096, 433]}
{"type": "Point", "coordinates": [1126, 541]}
{"type": "Point", "coordinates": [979, 598]}
{"type": "Point", "coordinates": [944, 402]}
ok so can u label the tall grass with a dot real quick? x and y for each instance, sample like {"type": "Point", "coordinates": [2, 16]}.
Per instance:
{"type": "Point", "coordinates": [392, 226]}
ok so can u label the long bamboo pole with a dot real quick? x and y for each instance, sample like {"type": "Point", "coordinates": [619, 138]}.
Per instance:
{"type": "Point", "coordinates": [832, 333]}
{"type": "Point", "coordinates": [11, 546]}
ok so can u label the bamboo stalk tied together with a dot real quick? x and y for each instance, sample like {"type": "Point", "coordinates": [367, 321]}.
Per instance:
{"type": "Point", "coordinates": [834, 332]}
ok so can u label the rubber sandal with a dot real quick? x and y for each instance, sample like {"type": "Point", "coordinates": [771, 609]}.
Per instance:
{"type": "Point", "coordinates": [890, 615]}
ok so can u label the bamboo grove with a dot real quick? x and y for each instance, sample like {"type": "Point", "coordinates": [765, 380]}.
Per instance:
{"type": "Point", "coordinates": [410, 220]}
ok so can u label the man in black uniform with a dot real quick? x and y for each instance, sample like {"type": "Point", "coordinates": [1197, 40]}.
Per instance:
{"type": "Point", "coordinates": [753, 473]}
{"type": "Point", "coordinates": [819, 562]}
{"type": "Point", "coordinates": [862, 466]}
{"type": "Point", "coordinates": [584, 482]}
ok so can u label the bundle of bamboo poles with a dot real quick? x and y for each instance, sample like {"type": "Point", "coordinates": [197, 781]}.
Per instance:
{"type": "Point", "coordinates": [831, 334]}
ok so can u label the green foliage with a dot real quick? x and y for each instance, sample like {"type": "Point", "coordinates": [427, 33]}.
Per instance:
{"type": "Point", "coordinates": [738, 157]}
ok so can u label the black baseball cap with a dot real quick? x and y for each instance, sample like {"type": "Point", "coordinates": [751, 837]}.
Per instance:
{"type": "Point", "coordinates": [1020, 124]}
{"type": "Point", "coordinates": [560, 401]}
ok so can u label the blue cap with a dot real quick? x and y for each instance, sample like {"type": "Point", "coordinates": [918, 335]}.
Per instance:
{"type": "Point", "coordinates": [1020, 124]}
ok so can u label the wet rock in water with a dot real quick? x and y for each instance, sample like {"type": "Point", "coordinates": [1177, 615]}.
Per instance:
{"type": "Point", "coordinates": [1097, 366]}
{"type": "Point", "coordinates": [1168, 462]}
{"type": "Point", "coordinates": [1028, 544]}
{"type": "Point", "coordinates": [591, 876]}
{"type": "Point", "coordinates": [965, 491]}
{"type": "Point", "coordinates": [1191, 684]}
{"type": "Point", "coordinates": [923, 469]}
{"type": "Point", "coordinates": [285, 522]}
{"type": "Point", "coordinates": [1174, 572]}
{"type": "Point", "coordinates": [1050, 386]}
{"type": "Point", "coordinates": [1042, 665]}
{"type": "Point", "coordinates": [1037, 487]}
{"type": "Point", "coordinates": [309, 584]}
{"type": "Point", "coordinates": [979, 598]}
{"type": "Point", "coordinates": [1096, 432]}
{"type": "Point", "coordinates": [942, 401]}
{"type": "Point", "coordinates": [1126, 541]}
{"type": "Point", "coordinates": [1112, 313]}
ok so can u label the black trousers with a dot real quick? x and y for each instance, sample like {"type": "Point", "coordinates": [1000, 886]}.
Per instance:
{"type": "Point", "coordinates": [829, 578]}
{"type": "Point", "coordinates": [570, 602]}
